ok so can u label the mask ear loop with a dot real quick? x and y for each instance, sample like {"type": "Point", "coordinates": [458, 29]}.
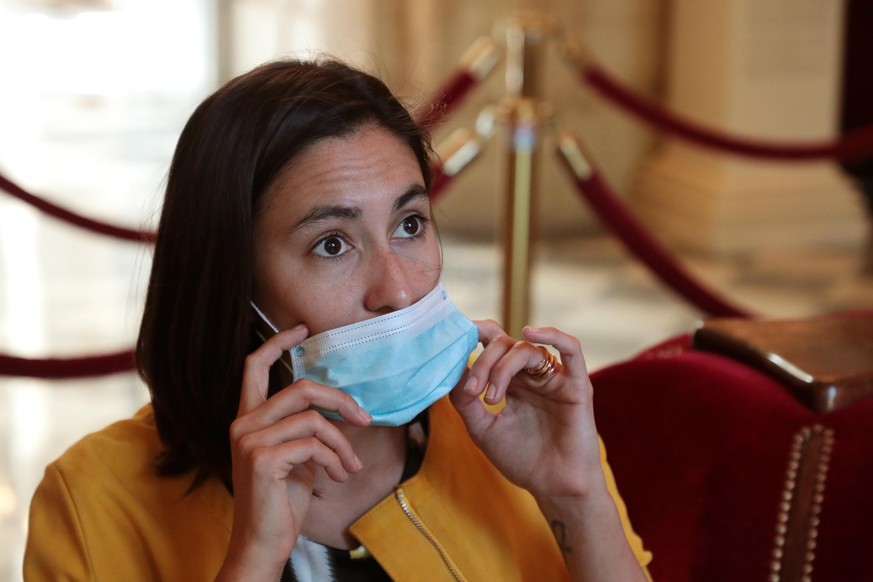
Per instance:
{"type": "Point", "coordinates": [259, 330]}
{"type": "Point", "coordinates": [264, 318]}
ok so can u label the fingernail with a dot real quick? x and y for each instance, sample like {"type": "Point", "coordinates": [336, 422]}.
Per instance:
{"type": "Point", "coordinates": [364, 414]}
{"type": "Point", "coordinates": [471, 385]}
{"type": "Point", "coordinates": [491, 394]}
{"type": "Point", "coordinates": [358, 464]}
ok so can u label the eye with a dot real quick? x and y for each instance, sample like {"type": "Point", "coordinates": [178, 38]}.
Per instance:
{"type": "Point", "coordinates": [331, 246]}
{"type": "Point", "coordinates": [411, 226]}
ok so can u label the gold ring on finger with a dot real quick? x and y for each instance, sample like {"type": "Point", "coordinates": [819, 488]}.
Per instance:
{"type": "Point", "coordinates": [546, 368]}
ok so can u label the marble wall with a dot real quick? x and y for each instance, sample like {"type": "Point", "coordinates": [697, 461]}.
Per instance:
{"type": "Point", "coordinates": [767, 71]}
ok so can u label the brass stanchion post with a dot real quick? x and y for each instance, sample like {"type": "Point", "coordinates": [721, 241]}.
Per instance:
{"type": "Point", "coordinates": [524, 38]}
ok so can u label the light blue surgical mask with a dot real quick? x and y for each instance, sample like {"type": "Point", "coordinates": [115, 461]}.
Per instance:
{"type": "Point", "coordinates": [395, 365]}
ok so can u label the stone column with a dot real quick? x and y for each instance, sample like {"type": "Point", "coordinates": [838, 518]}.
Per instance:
{"type": "Point", "coordinates": [767, 69]}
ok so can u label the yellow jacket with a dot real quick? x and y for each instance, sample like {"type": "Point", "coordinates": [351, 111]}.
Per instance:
{"type": "Point", "coordinates": [101, 513]}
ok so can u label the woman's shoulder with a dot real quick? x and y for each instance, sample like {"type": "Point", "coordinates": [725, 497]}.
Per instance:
{"type": "Point", "coordinates": [118, 448]}
{"type": "Point", "coordinates": [115, 468]}
{"type": "Point", "coordinates": [118, 458]}
{"type": "Point", "coordinates": [102, 510]}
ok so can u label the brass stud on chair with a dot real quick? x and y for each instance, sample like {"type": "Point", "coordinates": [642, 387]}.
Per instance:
{"type": "Point", "coordinates": [800, 504]}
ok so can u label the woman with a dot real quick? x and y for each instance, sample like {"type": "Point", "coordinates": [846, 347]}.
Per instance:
{"type": "Point", "coordinates": [297, 201]}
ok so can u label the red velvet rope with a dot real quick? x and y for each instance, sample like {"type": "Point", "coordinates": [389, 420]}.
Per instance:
{"type": "Point", "coordinates": [446, 98]}
{"type": "Point", "coordinates": [74, 367]}
{"type": "Point", "coordinates": [854, 146]}
{"type": "Point", "coordinates": [57, 368]}
{"type": "Point", "coordinates": [70, 217]}
{"type": "Point", "coordinates": [630, 231]}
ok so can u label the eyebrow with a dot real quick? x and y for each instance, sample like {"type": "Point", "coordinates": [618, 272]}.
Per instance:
{"type": "Point", "coordinates": [326, 212]}
{"type": "Point", "coordinates": [415, 192]}
{"type": "Point", "coordinates": [329, 211]}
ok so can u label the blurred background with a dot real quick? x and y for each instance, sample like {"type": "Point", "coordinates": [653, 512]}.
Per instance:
{"type": "Point", "coordinates": [95, 92]}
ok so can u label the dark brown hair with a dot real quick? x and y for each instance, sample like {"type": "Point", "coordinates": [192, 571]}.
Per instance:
{"type": "Point", "coordinates": [195, 330]}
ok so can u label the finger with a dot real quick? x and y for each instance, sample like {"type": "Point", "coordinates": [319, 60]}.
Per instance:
{"type": "Point", "coordinates": [307, 424]}
{"type": "Point", "coordinates": [572, 359]}
{"type": "Point", "coordinates": [256, 371]}
{"type": "Point", "coordinates": [497, 344]}
{"type": "Point", "coordinates": [470, 408]}
{"type": "Point", "coordinates": [489, 330]}
{"type": "Point", "coordinates": [459, 396]}
{"type": "Point", "coordinates": [303, 395]}
{"type": "Point", "coordinates": [521, 355]}
{"type": "Point", "coordinates": [278, 462]}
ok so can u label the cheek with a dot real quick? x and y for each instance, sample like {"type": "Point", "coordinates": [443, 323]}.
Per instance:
{"type": "Point", "coordinates": [424, 270]}
{"type": "Point", "coordinates": [279, 295]}
{"type": "Point", "coordinates": [289, 307]}
{"type": "Point", "coordinates": [321, 305]}
{"type": "Point", "coordinates": [435, 261]}
{"type": "Point", "coordinates": [264, 274]}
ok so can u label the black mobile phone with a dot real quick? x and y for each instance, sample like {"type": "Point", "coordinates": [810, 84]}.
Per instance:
{"type": "Point", "coordinates": [281, 373]}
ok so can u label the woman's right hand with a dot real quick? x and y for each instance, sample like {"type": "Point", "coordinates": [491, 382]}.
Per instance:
{"type": "Point", "coordinates": [277, 447]}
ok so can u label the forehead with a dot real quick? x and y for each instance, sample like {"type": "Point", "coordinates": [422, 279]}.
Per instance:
{"type": "Point", "coordinates": [370, 162]}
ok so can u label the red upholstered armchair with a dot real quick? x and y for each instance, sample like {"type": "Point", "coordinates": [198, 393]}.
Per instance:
{"type": "Point", "coordinates": [740, 471]}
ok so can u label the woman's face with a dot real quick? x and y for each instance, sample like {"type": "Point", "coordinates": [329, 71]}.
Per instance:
{"type": "Point", "coordinates": [345, 234]}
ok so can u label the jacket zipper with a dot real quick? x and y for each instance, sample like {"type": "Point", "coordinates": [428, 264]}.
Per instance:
{"type": "Point", "coordinates": [404, 505]}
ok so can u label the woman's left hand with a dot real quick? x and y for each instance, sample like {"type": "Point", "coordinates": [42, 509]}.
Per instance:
{"type": "Point", "coordinates": [543, 438]}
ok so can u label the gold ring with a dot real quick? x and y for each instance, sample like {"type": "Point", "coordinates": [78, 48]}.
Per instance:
{"type": "Point", "coordinates": [546, 368]}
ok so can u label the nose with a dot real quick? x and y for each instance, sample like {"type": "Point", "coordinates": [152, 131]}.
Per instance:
{"type": "Point", "coordinates": [389, 284]}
